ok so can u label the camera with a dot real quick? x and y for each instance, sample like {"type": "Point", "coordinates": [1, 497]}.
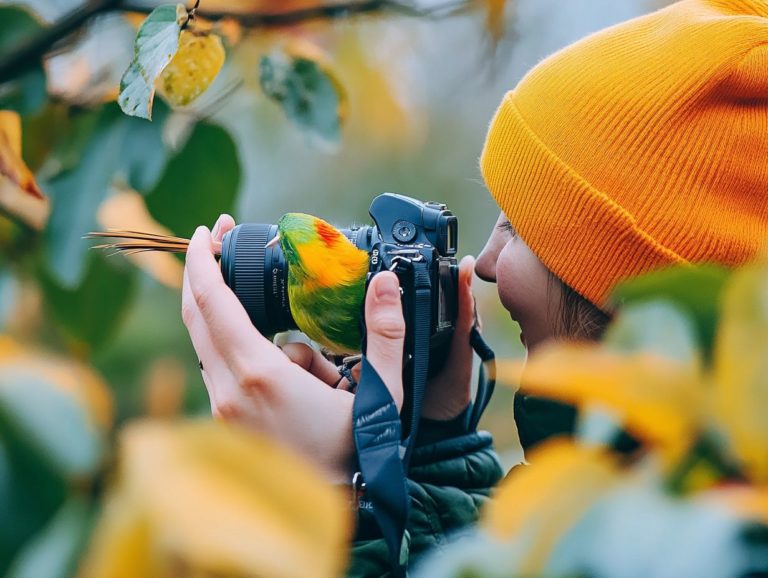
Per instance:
{"type": "Point", "coordinates": [417, 240]}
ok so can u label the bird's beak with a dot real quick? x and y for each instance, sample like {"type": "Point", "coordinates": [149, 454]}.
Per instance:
{"type": "Point", "coordinates": [275, 240]}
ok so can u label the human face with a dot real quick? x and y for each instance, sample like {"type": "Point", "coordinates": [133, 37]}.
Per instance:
{"type": "Point", "coordinates": [524, 284]}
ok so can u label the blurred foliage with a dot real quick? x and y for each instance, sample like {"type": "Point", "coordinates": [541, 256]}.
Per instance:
{"type": "Point", "coordinates": [691, 498]}
{"type": "Point", "coordinates": [100, 476]}
{"type": "Point", "coordinates": [99, 473]}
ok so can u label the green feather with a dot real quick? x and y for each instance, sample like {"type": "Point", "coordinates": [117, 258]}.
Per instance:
{"type": "Point", "coordinates": [328, 315]}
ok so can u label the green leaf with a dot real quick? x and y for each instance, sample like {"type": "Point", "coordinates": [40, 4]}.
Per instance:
{"type": "Point", "coordinates": [653, 326]}
{"type": "Point", "coordinates": [199, 183]}
{"type": "Point", "coordinates": [694, 290]}
{"type": "Point", "coordinates": [54, 551]}
{"type": "Point", "coordinates": [308, 94]}
{"type": "Point", "coordinates": [92, 312]}
{"type": "Point", "coordinates": [155, 45]}
{"type": "Point", "coordinates": [26, 507]}
{"type": "Point", "coordinates": [638, 531]}
{"type": "Point", "coordinates": [27, 93]}
{"type": "Point", "coordinates": [116, 147]}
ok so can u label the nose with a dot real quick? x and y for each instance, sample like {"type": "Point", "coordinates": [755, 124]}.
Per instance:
{"type": "Point", "coordinates": [485, 265]}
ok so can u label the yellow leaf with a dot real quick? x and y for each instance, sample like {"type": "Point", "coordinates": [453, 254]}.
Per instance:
{"type": "Point", "coordinates": [217, 499]}
{"type": "Point", "coordinates": [545, 499]}
{"type": "Point", "coordinates": [19, 194]}
{"type": "Point", "coordinates": [741, 369]}
{"type": "Point", "coordinates": [69, 375]}
{"type": "Point", "coordinates": [193, 68]}
{"type": "Point", "coordinates": [127, 211]}
{"type": "Point", "coordinates": [658, 399]}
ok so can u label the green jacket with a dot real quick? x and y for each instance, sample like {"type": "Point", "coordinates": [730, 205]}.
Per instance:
{"type": "Point", "coordinates": [451, 476]}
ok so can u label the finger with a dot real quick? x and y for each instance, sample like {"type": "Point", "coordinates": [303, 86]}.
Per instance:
{"type": "Point", "coordinates": [455, 377]}
{"type": "Point", "coordinates": [466, 315]}
{"type": "Point", "coordinates": [223, 225]}
{"type": "Point", "coordinates": [385, 330]}
{"type": "Point", "coordinates": [313, 361]}
{"type": "Point", "coordinates": [223, 389]}
{"type": "Point", "coordinates": [227, 322]}
{"type": "Point", "coordinates": [198, 334]}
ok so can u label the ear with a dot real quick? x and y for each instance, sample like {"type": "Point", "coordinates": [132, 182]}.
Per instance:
{"type": "Point", "coordinates": [749, 80]}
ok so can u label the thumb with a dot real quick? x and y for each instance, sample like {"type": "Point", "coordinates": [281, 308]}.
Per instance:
{"type": "Point", "coordinates": [385, 328]}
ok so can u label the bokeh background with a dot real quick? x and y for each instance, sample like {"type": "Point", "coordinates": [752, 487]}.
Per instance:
{"type": "Point", "coordinates": [90, 344]}
{"type": "Point", "coordinates": [421, 92]}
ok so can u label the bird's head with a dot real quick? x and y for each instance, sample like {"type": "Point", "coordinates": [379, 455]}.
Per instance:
{"type": "Point", "coordinates": [318, 252]}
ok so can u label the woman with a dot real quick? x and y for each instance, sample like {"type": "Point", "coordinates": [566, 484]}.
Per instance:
{"type": "Point", "coordinates": [638, 147]}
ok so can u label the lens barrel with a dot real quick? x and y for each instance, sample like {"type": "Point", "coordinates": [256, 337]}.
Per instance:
{"type": "Point", "coordinates": [258, 276]}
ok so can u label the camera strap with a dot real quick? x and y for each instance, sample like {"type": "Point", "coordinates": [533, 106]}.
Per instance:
{"type": "Point", "coordinates": [383, 456]}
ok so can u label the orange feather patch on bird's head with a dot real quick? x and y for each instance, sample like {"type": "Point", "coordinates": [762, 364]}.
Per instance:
{"type": "Point", "coordinates": [328, 234]}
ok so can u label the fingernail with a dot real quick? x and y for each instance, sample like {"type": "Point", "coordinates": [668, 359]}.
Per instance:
{"type": "Point", "coordinates": [388, 289]}
{"type": "Point", "coordinates": [216, 227]}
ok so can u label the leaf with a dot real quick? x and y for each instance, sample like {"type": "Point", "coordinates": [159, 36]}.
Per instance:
{"type": "Point", "coordinates": [155, 45]}
{"type": "Point", "coordinates": [199, 183]}
{"type": "Point", "coordinates": [637, 531]}
{"type": "Point", "coordinates": [656, 399]}
{"type": "Point", "coordinates": [126, 210]}
{"type": "Point", "coordinates": [20, 196]}
{"type": "Point", "coordinates": [91, 312]}
{"type": "Point", "coordinates": [307, 91]}
{"type": "Point", "coordinates": [741, 369]}
{"type": "Point", "coordinates": [536, 504]}
{"type": "Point", "coordinates": [71, 377]}
{"type": "Point", "coordinates": [53, 423]}
{"type": "Point", "coordinates": [117, 148]}
{"type": "Point", "coordinates": [27, 93]}
{"type": "Point", "coordinates": [211, 498]}
{"type": "Point", "coordinates": [193, 68]}
{"type": "Point", "coordinates": [695, 290]}
{"type": "Point", "coordinates": [657, 327]}
{"type": "Point", "coordinates": [54, 551]}
{"type": "Point", "coordinates": [54, 417]}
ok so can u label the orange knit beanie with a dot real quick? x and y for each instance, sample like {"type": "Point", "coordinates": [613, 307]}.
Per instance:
{"type": "Point", "coordinates": [640, 146]}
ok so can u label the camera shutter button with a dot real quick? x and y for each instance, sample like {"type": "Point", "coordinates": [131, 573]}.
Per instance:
{"type": "Point", "coordinates": [404, 231]}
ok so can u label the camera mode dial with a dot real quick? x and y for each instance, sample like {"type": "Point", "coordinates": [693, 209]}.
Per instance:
{"type": "Point", "coordinates": [404, 231]}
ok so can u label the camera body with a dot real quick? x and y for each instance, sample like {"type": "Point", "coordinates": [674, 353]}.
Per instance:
{"type": "Point", "coordinates": [414, 239]}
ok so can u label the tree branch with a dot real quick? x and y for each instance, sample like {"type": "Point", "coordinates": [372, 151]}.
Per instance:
{"type": "Point", "coordinates": [31, 52]}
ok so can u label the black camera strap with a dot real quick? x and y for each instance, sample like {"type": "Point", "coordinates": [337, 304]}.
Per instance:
{"type": "Point", "coordinates": [383, 456]}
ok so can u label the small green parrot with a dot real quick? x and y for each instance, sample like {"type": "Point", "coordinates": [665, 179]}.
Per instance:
{"type": "Point", "coordinates": [326, 281]}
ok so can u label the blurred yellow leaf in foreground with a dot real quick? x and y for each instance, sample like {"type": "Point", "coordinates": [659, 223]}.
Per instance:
{"type": "Point", "coordinates": [202, 498]}
{"type": "Point", "coordinates": [18, 362]}
{"type": "Point", "coordinates": [543, 500]}
{"type": "Point", "coordinates": [741, 369]}
{"type": "Point", "coordinates": [19, 194]}
{"type": "Point", "coordinates": [657, 399]}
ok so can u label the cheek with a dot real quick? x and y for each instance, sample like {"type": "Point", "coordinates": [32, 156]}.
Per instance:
{"type": "Point", "coordinates": [522, 283]}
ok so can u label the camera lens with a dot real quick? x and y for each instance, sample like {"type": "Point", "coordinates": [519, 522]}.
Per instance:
{"type": "Point", "coordinates": [258, 276]}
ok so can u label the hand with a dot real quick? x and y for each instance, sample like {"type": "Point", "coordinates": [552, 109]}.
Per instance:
{"type": "Point", "coordinates": [252, 382]}
{"type": "Point", "coordinates": [450, 391]}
